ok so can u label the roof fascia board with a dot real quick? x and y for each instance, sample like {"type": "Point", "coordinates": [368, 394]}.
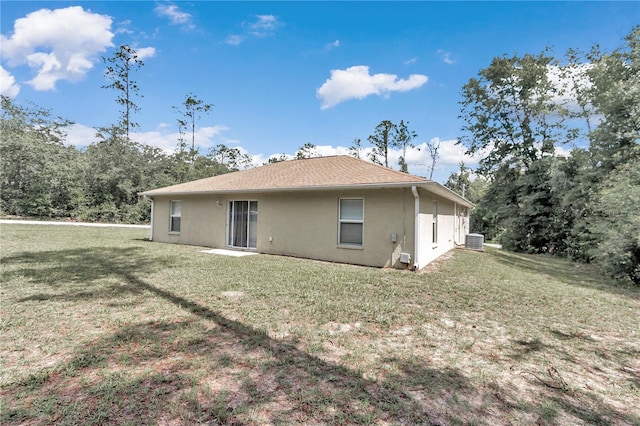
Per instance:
{"type": "Point", "coordinates": [290, 189]}
{"type": "Point", "coordinates": [432, 186]}
{"type": "Point", "coordinates": [445, 192]}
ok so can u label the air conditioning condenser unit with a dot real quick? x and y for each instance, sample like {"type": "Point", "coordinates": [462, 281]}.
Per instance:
{"type": "Point", "coordinates": [474, 241]}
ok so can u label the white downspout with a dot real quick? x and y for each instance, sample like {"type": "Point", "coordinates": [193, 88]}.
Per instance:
{"type": "Point", "coordinates": [151, 227]}
{"type": "Point", "coordinates": [416, 237]}
{"type": "Point", "coordinates": [456, 224]}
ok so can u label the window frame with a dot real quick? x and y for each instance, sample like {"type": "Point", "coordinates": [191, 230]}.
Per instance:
{"type": "Point", "coordinates": [353, 221]}
{"type": "Point", "coordinates": [172, 216]}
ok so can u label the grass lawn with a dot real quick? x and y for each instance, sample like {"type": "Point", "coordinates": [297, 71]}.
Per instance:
{"type": "Point", "coordinates": [100, 326]}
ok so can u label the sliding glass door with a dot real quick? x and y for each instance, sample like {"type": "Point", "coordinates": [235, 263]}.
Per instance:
{"type": "Point", "coordinates": [242, 227]}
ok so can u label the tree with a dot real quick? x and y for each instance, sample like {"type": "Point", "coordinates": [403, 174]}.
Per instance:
{"type": "Point", "coordinates": [277, 159]}
{"type": "Point", "coordinates": [308, 150]}
{"type": "Point", "coordinates": [356, 148]}
{"type": "Point", "coordinates": [616, 223]}
{"type": "Point", "coordinates": [188, 114]}
{"type": "Point", "coordinates": [584, 206]}
{"type": "Point", "coordinates": [433, 146]}
{"type": "Point", "coordinates": [112, 175]}
{"type": "Point", "coordinates": [402, 138]}
{"type": "Point", "coordinates": [39, 176]}
{"type": "Point", "coordinates": [381, 140]}
{"type": "Point", "coordinates": [615, 97]}
{"type": "Point", "coordinates": [459, 182]}
{"type": "Point", "coordinates": [231, 158]}
{"type": "Point", "coordinates": [120, 67]}
{"type": "Point", "coordinates": [509, 112]}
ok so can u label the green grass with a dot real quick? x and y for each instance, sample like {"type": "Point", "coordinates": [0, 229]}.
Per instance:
{"type": "Point", "coordinates": [99, 326]}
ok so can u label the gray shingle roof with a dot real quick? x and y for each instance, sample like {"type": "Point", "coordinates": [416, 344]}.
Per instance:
{"type": "Point", "coordinates": [310, 173]}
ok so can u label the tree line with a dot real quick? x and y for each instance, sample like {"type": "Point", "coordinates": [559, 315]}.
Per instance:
{"type": "Point", "coordinates": [519, 113]}
{"type": "Point", "coordinates": [43, 177]}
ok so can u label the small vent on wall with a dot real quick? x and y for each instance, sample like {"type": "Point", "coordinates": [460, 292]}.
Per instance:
{"type": "Point", "coordinates": [474, 241]}
{"type": "Point", "coordinates": [405, 257]}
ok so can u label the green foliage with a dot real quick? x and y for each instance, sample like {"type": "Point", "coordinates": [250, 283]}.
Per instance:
{"type": "Point", "coordinates": [615, 96]}
{"type": "Point", "coordinates": [356, 148]}
{"type": "Point", "coordinates": [308, 150]}
{"type": "Point", "coordinates": [509, 111]}
{"type": "Point", "coordinates": [119, 69]}
{"type": "Point", "coordinates": [277, 159]}
{"type": "Point", "coordinates": [402, 138]}
{"type": "Point", "coordinates": [460, 181]}
{"type": "Point", "coordinates": [229, 159]}
{"type": "Point", "coordinates": [39, 175]}
{"type": "Point", "coordinates": [188, 114]}
{"type": "Point", "coordinates": [616, 223]}
{"type": "Point", "coordinates": [585, 206]}
{"type": "Point", "coordinates": [388, 135]}
{"type": "Point", "coordinates": [381, 141]}
{"type": "Point", "coordinates": [532, 221]}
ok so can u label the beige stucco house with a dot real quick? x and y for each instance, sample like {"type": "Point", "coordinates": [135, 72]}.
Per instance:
{"type": "Point", "coordinates": [338, 209]}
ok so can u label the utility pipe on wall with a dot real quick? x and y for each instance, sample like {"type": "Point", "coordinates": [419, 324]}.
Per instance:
{"type": "Point", "coordinates": [416, 237]}
{"type": "Point", "coordinates": [151, 227]}
{"type": "Point", "coordinates": [456, 232]}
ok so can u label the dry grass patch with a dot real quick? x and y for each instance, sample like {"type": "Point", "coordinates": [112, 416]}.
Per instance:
{"type": "Point", "coordinates": [100, 326]}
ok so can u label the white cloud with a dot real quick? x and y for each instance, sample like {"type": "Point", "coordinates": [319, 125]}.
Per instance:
{"type": "Point", "coordinates": [356, 83]}
{"type": "Point", "coordinates": [411, 61]}
{"type": "Point", "coordinates": [264, 26]}
{"type": "Point", "coordinates": [562, 152]}
{"type": "Point", "coordinates": [175, 15]}
{"type": "Point", "coordinates": [60, 44]}
{"type": "Point", "coordinates": [145, 52]}
{"type": "Point", "coordinates": [332, 45]}
{"type": "Point", "coordinates": [234, 40]}
{"type": "Point", "coordinates": [446, 57]}
{"type": "Point", "coordinates": [566, 80]}
{"type": "Point", "coordinates": [451, 154]}
{"type": "Point", "coordinates": [418, 160]}
{"type": "Point", "coordinates": [8, 86]}
{"type": "Point", "coordinates": [205, 138]}
{"type": "Point", "coordinates": [122, 27]}
{"type": "Point", "coordinates": [79, 135]}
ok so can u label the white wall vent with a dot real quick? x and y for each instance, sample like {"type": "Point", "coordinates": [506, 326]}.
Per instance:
{"type": "Point", "coordinates": [405, 258]}
{"type": "Point", "coordinates": [474, 241]}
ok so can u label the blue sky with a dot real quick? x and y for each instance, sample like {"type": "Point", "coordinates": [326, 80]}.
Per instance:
{"type": "Point", "coordinates": [286, 73]}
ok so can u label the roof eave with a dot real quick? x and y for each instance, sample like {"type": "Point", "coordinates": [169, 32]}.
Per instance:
{"type": "Point", "coordinates": [287, 189]}
{"type": "Point", "coordinates": [447, 193]}
{"type": "Point", "coordinates": [430, 185]}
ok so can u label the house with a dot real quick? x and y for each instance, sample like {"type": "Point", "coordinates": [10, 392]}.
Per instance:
{"type": "Point", "coordinates": [338, 208]}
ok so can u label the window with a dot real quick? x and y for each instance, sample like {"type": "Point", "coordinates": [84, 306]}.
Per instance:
{"type": "Point", "coordinates": [175, 216]}
{"type": "Point", "coordinates": [351, 221]}
{"type": "Point", "coordinates": [242, 224]}
{"type": "Point", "coordinates": [434, 223]}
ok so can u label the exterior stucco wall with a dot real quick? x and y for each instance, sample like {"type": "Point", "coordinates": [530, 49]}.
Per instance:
{"type": "Point", "coordinates": [446, 220]}
{"type": "Point", "coordinates": [199, 222]}
{"type": "Point", "coordinates": [305, 224]}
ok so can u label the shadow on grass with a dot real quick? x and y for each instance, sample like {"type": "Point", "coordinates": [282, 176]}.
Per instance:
{"type": "Point", "coordinates": [525, 347]}
{"type": "Point", "coordinates": [563, 270]}
{"type": "Point", "coordinates": [288, 385]}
